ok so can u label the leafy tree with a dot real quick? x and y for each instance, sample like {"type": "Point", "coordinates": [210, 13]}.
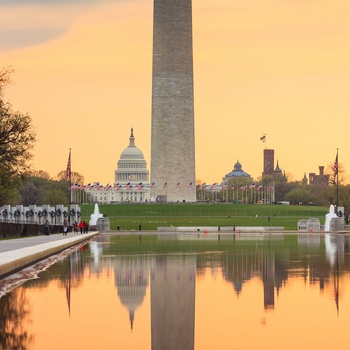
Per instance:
{"type": "Point", "coordinates": [344, 201]}
{"type": "Point", "coordinates": [54, 197]}
{"type": "Point", "coordinates": [39, 188]}
{"type": "Point", "coordinates": [282, 189]}
{"type": "Point", "coordinates": [299, 194]}
{"type": "Point", "coordinates": [17, 137]}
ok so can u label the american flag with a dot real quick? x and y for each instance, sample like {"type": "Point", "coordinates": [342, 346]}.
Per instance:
{"type": "Point", "coordinates": [178, 185]}
{"type": "Point", "coordinates": [152, 184]}
{"type": "Point", "coordinates": [252, 186]}
{"type": "Point", "coordinates": [190, 184]}
{"type": "Point", "coordinates": [128, 186]}
{"type": "Point", "coordinates": [213, 185]}
{"type": "Point", "coordinates": [224, 185]}
{"type": "Point", "coordinates": [202, 186]}
{"type": "Point", "coordinates": [335, 165]}
{"type": "Point", "coordinates": [117, 186]}
{"type": "Point", "coordinates": [139, 186]}
{"type": "Point", "coordinates": [75, 187]}
{"type": "Point", "coordinates": [259, 187]}
{"type": "Point", "coordinates": [165, 185]}
{"type": "Point", "coordinates": [243, 187]}
{"type": "Point", "coordinates": [67, 173]}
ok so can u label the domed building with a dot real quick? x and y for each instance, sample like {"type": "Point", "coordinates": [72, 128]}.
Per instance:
{"type": "Point", "coordinates": [131, 181]}
{"type": "Point", "coordinates": [237, 172]}
{"type": "Point", "coordinates": [132, 166]}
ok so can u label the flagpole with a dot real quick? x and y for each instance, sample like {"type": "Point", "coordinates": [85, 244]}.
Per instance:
{"type": "Point", "coordinates": [69, 171]}
{"type": "Point", "coordinates": [337, 181]}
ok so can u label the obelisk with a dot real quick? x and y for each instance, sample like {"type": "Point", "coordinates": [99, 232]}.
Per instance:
{"type": "Point", "coordinates": [172, 135]}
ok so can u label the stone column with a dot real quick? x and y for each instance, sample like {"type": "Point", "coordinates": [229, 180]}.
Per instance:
{"type": "Point", "coordinates": [172, 139]}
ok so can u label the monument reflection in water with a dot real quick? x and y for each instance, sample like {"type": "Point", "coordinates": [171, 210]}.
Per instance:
{"type": "Point", "coordinates": [144, 292]}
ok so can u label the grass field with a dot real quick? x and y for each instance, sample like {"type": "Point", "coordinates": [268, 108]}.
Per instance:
{"type": "Point", "coordinates": [151, 216]}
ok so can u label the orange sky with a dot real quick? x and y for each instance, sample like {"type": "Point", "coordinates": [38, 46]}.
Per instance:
{"type": "Point", "coordinates": [83, 72]}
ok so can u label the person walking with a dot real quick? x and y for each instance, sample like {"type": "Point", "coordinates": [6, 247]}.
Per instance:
{"type": "Point", "coordinates": [65, 227]}
{"type": "Point", "coordinates": [86, 227]}
{"type": "Point", "coordinates": [81, 226]}
{"type": "Point", "coordinates": [47, 228]}
{"type": "Point", "coordinates": [75, 227]}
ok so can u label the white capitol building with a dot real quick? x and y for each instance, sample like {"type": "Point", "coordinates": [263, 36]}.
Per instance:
{"type": "Point", "coordinates": [131, 182]}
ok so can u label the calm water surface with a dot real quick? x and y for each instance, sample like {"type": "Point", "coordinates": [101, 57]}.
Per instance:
{"type": "Point", "coordinates": [186, 293]}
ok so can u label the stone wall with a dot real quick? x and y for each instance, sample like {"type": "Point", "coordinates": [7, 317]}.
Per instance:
{"type": "Point", "coordinates": [13, 230]}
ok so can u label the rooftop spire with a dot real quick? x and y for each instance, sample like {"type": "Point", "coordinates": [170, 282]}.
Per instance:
{"type": "Point", "coordinates": [132, 138]}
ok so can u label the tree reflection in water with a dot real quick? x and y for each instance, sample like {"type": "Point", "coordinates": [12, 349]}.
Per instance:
{"type": "Point", "coordinates": [14, 310]}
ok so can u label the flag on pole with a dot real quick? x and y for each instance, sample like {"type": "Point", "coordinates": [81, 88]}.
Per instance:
{"type": "Point", "coordinates": [189, 184]}
{"type": "Point", "coordinates": [67, 173]}
{"type": "Point", "coordinates": [212, 186]}
{"type": "Point", "coordinates": [252, 186]}
{"type": "Point", "coordinates": [178, 185]}
{"type": "Point", "coordinates": [165, 185]}
{"type": "Point", "coordinates": [202, 185]}
{"type": "Point", "coordinates": [335, 165]}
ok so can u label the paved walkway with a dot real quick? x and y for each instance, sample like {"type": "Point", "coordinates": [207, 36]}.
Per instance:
{"type": "Point", "coordinates": [17, 253]}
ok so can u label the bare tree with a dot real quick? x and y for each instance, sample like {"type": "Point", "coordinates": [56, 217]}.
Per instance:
{"type": "Point", "coordinates": [76, 177]}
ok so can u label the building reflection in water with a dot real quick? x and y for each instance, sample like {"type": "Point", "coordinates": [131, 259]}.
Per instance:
{"type": "Point", "coordinates": [170, 278]}
{"type": "Point", "coordinates": [173, 302]}
{"type": "Point", "coordinates": [131, 279]}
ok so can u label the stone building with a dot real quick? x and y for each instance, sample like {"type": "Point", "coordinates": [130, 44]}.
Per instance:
{"type": "Point", "coordinates": [320, 179]}
{"type": "Point", "coordinates": [237, 173]}
{"type": "Point", "coordinates": [269, 162]}
{"type": "Point", "coordinates": [131, 183]}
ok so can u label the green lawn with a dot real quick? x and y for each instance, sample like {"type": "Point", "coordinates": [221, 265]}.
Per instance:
{"type": "Point", "coordinates": [151, 216]}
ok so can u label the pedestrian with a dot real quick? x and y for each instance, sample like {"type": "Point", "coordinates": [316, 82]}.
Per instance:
{"type": "Point", "coordinates": [75, 227]}
{"type": "Point", "coordinates": [65, 227]}
{"type": "Point", "coordinates": [81, 226]}
{"type": "Point", "coordinates": [47, 227]}
{"type": "Point", "coordinates": [86, 226]}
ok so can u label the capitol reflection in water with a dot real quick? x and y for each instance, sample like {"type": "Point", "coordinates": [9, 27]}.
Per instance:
{"type": "Point", "coordinates": [145, 292]}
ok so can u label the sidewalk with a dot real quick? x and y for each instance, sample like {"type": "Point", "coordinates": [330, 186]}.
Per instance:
{"type": "Point", "coordinates": [18, 253]}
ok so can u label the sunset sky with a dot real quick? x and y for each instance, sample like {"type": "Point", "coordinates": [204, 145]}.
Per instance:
{"type": "Point", "coordinates": [83, 71]}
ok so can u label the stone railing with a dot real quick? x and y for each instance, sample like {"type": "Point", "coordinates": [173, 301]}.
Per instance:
{"type": "Point", "coordinates": [33, 214]}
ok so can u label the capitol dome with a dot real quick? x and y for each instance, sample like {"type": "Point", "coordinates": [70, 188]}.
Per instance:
{"type": "Point", "coordinates": [131, 152]}
{"type": "Point", "coordinates": [131, 179]}
{"type": "Point", "coordinates": [132, 167]}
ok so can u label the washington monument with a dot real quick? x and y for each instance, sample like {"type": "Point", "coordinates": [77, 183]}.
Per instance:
{"type": "Point", "coordinates": [172, 135]}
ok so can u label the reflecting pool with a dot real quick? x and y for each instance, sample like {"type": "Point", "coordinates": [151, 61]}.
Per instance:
{"type": "Point", "coordinates": [186, 292]}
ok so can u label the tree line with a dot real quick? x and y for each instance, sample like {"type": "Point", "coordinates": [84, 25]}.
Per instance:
{"type": "Point", "coordinates": [21, 185]}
